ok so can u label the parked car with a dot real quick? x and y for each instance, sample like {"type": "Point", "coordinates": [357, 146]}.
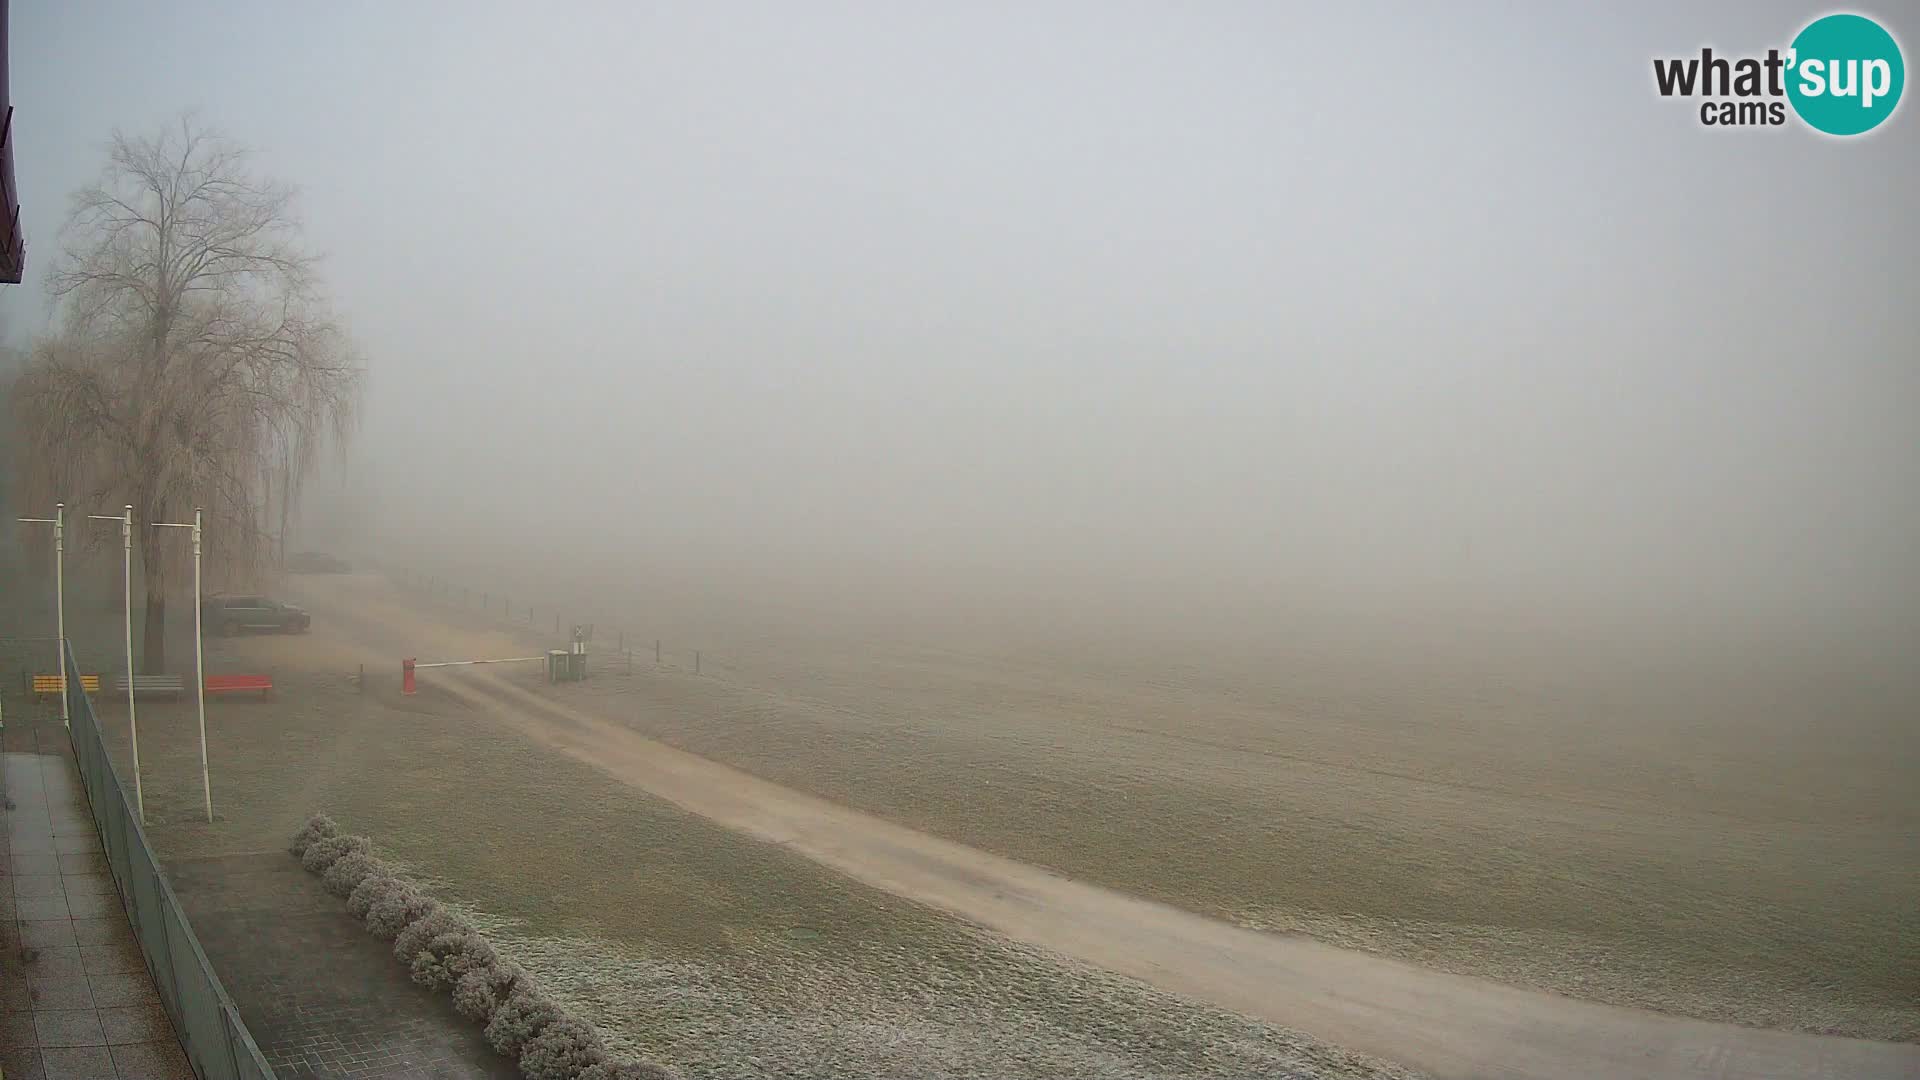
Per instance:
{"type": "Point", "coordinates": [230, 615]}
{"type": "Point", "coordinates": [316, 562]}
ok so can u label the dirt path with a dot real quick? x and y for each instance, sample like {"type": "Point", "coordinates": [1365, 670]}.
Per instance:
{"type": "Point", "coordinates": [1448, 1025]}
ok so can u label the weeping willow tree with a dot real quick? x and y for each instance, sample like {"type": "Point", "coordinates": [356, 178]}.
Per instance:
{"type": "Point", "coordinates": [193, 339]}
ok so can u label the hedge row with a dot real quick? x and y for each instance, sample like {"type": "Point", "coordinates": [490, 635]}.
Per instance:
{"type": "Point", "coordinates": [445, 953]}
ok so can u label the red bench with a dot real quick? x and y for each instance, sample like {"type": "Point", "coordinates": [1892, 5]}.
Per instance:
{"type": "Point", "coordinates": [229, 684]}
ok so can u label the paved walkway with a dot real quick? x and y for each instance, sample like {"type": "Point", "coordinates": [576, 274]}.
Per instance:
{"type": "Point", "coordinates": [76, 1002]}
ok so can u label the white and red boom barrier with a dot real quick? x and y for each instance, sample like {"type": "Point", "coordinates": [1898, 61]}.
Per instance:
{"type": "Point", "coordinates": [408, 666]}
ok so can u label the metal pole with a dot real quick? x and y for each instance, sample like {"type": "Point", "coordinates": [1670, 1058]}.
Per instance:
{"type": "Point", "coordinates": [126, 598]}
{"type": "Point", "coordinates": [60, 603]}
{"type": "Point", "coordinates": [59, 523]}
{"type": "Point", "coordinates": [200, 669]}
{"type": "Point", "coordinates": [199, 652]}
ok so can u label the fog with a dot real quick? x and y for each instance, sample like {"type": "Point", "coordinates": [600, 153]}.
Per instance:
{"type": "Point", "coordinates": [1190, 318]}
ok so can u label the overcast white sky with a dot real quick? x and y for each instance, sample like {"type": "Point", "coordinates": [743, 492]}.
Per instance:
{"type": "Point", "coordinates": [1405, 299]}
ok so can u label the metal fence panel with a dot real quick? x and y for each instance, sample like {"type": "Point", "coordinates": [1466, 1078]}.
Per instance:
{"type": "Point", "coordinates": [217, 1043]}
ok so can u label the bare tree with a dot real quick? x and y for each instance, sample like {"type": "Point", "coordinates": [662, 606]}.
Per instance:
{"type": "Point", "coordinates": [194, 336]}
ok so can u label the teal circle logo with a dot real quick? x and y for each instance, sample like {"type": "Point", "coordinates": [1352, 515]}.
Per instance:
{"type": "Point", "coordinates": [1845, 74]}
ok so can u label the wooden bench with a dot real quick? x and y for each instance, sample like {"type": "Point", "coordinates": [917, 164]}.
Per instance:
{"type": "Point", "coordinates": [45, 686]}
{"type": "Point", "coordinates": [150, 685]}
{"type": "Point", "coordinates": [230, 684]}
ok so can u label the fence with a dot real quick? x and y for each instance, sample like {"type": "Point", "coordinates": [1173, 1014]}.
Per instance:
{"type": "Point", "coordinates": [209, 1027]}
{"type": "Point", "coordinates": [439, 589]}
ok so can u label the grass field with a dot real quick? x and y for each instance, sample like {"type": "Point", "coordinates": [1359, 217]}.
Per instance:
{"type": "Point", "coordinates": [1730, 837]}
{"type": "Point", "coordinates": [720, 955]}
{"type": "Point", "coordinates": [1736, 845]}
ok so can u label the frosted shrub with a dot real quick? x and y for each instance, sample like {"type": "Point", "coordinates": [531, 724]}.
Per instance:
{"type": "Point", "coordinates": [348, 871]}
{"type": "Point", "coordinates": [561, 1051]}
{"type": "Point", "coordinates": [322, 854]}
{"type": "Point", "coordinates": [519, 1017]}
{"type": "Point", "coordinates": [318, 827]}
{"type": "Point", "coordinates": [410, 941]}
{"type": "Point", "coordinates": [397, 910]}
{"type": "Point", "coordinates": [449, 956]}
{"type": "Point", "coordinates": [442, 951]}
{"type": "Point", "coordinates": [373, 887]}
{"type": "Point", "coordinates": [628, 1070]}
{"type": "Point", "coordinates": [480, 991]}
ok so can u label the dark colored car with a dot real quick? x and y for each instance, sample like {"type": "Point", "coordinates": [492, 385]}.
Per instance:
{"type": "Point", "coordinates": [230, 615]}
{"type": "Point", "coordinates": [317, 562]}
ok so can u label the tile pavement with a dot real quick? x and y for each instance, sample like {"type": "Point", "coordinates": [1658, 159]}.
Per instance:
{"type": "Point", "coordinates": [76, 1002]}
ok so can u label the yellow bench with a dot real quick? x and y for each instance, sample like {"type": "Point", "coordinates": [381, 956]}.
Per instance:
{"type": "Point", "coordinates": [48, 685]}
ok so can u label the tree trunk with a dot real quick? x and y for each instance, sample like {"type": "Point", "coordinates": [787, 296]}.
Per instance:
{"type": "Point", "coordinates": [153, 648]}
{"type": "Point", "coordinates": [153, 653]}
{"type": "Point", "coordinates": [286, 504]}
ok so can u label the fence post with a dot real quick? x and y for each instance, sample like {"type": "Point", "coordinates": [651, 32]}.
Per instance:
{"type": "Point", "coordinates": [656, 652]}
{"type": "Point", "coordinates": [696, 661]}
{"type": "Point", "coordinates": [226, 1028]}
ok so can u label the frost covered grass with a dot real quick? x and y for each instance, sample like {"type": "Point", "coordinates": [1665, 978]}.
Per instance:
{"type": "Point", "coordinates": [972, 1005]}
{"type": "Point", "coordinates": [692, 945]}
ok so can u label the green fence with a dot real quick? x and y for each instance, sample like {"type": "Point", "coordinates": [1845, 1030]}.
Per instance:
{"type": "Point", "coordinates": [216, 1042]}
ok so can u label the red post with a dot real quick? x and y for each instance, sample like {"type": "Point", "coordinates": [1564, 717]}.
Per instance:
{"type": "Point", "coordinates": [406, 675]}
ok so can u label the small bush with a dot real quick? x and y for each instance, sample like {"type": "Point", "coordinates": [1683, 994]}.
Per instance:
{"type": "Point", "coordinates": [628, 1070]}
{"type": "Point", "coordinates": [480, 991]}
{"type": "Point", "coordinates": [318, 827]}
{"type": "Point", "coordinates": [322, 854]}
{"type": "Point", "coordinates": [412, 940]}
{"type": "Point", "coordinates": [449, 956]}
{"type": "Point", "coordinates": [373, 887]}
{"type": "Point", "coordinates": [475, 954]}
{"type": "Point", "coordinates": [397, 910]}
{"type": "Point", "coordinates": [520, 1016]}
{"type": "Point", "coordinates": [561, 1051]}
{"type": "Point", "coordinates": [348, 871]}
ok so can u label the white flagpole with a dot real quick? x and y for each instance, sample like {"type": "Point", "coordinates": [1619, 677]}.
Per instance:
{"type": "Point", "coordinates": [60, 602]}
{"type": "Point", "coordinates": [199, 654]}
{"type": "Point", "coordinates": [126, 601]}
{"type": "Point", "coordinates": [200, 669]}
{"type": "Point", "coordinates": [59, 523]}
